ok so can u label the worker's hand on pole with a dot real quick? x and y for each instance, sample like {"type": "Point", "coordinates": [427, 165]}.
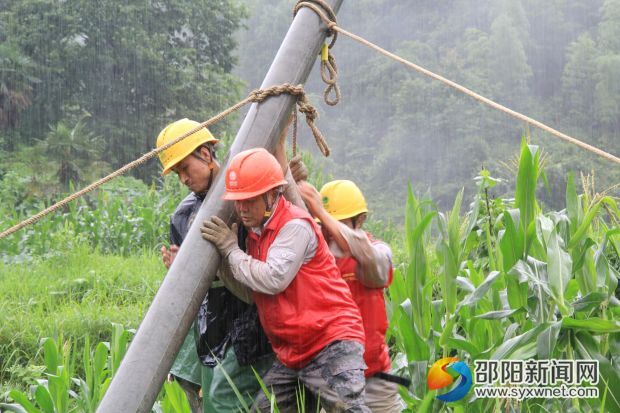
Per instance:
{"type": "Point", "coordinates": [298, 169]}
{"type": "Point", "coordinates": [167, 255]}
{"type": "Point", "coordinates": [217, 232]}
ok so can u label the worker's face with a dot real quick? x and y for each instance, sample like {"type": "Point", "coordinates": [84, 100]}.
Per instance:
{"type": "Point", "coordinates": [194, 173]}
{"type": "Point", "coordinates": [252, 211]}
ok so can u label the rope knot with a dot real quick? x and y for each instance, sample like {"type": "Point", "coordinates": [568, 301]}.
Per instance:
{"type": "Point", "coordinates": [307, 109]}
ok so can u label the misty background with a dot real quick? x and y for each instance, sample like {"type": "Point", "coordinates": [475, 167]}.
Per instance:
{"type": "Point", "coordinates": [85, 87]}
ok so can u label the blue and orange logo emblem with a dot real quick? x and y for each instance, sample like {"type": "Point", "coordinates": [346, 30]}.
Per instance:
{"type": "Point", "coordinates": [446, 371]}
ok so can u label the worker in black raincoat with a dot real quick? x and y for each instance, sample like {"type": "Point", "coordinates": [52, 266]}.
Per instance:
{"type": "Point", "coordinates": [227, 338]}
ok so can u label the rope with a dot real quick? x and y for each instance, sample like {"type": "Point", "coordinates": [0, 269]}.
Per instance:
{"type": "Point", "coordinates": [329, 71]}
{"type": "Point", "coordinates": [333, 27]}
{"type": "Point", "coordinates": [321, 8]}
{"type": "Point", "coordinates": [257, 96]}
{"type": "Point", "coordinates": [329, 74]}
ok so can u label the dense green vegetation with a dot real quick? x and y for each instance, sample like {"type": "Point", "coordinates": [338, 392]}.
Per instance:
{"type": "Point", "coordinates": [509, 279]}
{"type": "Point", "coordinates": [557, 61]}
{"type": "Point", "coordinates": [131, 68]}
{"type": "Point", "coordinates": [523, 265]}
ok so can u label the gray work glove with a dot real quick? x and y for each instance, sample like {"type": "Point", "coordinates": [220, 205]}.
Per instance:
{"type": "Point", "coordinates": [298, 169]}
{"type": "Point", "coordinates": [217, 232]}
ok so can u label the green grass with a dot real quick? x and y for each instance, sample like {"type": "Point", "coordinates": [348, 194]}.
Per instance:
{"type": "Point", "coordinates": [506, 279]}
{"type": "Point", "coordinates": [79, 293]}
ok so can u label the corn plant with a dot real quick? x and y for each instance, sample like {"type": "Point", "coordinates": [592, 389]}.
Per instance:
{"type": "Point", "coordinates": [509, 281]}
{"type": "Point", "coordinates": [124, 217]}
{"type": "Point", "coordinates": [60, 390]}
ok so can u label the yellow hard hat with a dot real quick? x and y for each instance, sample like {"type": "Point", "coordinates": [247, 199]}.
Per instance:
{"type": "Point", "coordinates": [343, 199]}
{"type": "Point", "coordinates": [177, 152]}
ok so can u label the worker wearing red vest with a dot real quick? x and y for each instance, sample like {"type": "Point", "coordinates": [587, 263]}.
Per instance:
{"type": "Point", "coordinates": [304, 305]}
{"type": "Point", "coordinates": [366, 266]}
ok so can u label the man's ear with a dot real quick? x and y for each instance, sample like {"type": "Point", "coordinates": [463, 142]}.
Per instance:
{"type": "Point", "coordinates": [206, 154]}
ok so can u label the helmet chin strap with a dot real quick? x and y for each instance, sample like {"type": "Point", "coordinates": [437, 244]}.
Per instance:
{"type": "Point", "coordinates": [269, 207]}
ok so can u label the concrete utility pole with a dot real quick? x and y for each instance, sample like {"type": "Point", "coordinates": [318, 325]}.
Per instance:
{"type": "Point", "coordinates": [142, 372]}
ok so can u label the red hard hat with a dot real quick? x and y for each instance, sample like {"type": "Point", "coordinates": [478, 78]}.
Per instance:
{"type": "Point", "coordinates": [252, 173]}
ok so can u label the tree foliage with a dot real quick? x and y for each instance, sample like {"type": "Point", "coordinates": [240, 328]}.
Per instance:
{"type": "Point", "coordinates": [134, 66]}
{"type": "Point", "coordinates": [554, 60]}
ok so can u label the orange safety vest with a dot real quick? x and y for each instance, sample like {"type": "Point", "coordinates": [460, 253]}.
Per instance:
{"type": "Point", "coordinates": [316, 308]}
{"type": "Point", "coordinates": [371, 303]}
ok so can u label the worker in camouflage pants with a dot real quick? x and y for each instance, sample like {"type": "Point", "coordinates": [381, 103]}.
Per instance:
{"type": "Point", "coordinates": [305, 307]}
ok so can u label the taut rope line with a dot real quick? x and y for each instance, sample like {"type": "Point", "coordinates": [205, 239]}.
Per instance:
{"type": "Point", "coordinates": [333, 27]}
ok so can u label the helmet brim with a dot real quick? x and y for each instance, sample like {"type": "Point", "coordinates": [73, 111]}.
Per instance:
{"type": "Point", "coordinates": [241, 196]}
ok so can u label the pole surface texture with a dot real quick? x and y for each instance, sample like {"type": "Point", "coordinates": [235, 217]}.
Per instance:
{"type": "Point", "coordinates": [142, 372]}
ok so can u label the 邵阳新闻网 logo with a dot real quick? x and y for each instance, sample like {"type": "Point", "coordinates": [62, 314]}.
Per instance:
{"type": "Point", "coordinates": [446, 371]}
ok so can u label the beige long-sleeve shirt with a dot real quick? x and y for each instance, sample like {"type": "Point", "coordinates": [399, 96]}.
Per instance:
{"type": "Point", "coordinates": [374, 259]}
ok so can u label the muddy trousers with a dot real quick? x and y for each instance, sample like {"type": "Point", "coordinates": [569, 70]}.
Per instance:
{"type": "Point", "coordinates": [334, 378]}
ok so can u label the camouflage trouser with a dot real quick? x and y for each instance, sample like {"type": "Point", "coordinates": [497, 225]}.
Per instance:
{"type": "Point", "coordinates": [335, 377]}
